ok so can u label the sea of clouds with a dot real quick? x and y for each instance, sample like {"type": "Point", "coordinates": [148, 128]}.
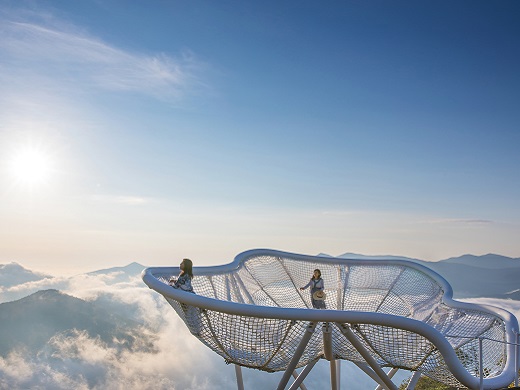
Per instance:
{"type": "Point", "coordinates": [165, 356]}
{"type": "Point", "coordinates": [169, 357]}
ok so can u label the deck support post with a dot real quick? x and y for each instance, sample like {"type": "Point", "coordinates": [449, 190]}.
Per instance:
{"type": "Point", "coordinates": [301, 377]}
{"type": "Point", "coordinates": [295, 376]}
{"type": "Point", "coordinates": [297, 355]}
{"type": "Point", "coordinates": [390, 374]}
{"type": "Point", "coordinates": [327, 349]}
{"type": "Point", "coordinates": [337, 362]}
{"type": "Point", "coordinates": [367, 370]}
{"type": "Point", "coordinates": [480, 364]}
{"type": "Point", "coordinates": [356, 343]}
{"type": "Point", "coordinates": [517, 357]}
{"type": "Point", "coordinates": [240, 380]}
{"type": "Point", "coordinates": [413, 381]}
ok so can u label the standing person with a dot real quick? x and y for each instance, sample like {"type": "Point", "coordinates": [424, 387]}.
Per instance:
{"type": "Point", "coordinates": [316, 284]}
{"type": "Point", "coordinates": [183, 281]}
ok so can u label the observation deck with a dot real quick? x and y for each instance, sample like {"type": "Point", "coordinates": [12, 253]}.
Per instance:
{"type": "Point", "coordinates": [380, 314]}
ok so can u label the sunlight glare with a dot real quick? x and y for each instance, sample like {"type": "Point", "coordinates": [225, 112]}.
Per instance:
{"type": "Point", "coordinates": [30, 166]}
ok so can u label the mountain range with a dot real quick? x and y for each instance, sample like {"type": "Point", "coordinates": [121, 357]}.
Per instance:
{"type": "Point", "coordinates": [470, 276]}
{"type": "Point", "coordinates": [490, 275]}
{"type": "Point", "coordinates": [31, 322]}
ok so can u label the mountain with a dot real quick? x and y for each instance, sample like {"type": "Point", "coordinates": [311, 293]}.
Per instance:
{"type": "Point", "coordinates": [489, 261]}
{"type": "Point", "coordinates": [13, 274]}
{"type": "Point", "coordinates": [13, 277]}
{"type": "Point", "coordinates": [120, 274]}
{"type": "Point", "coordinates": [356, 256]}
{"type": "Point", "coordinates": [472, 282]}
{"type": "Point", "coordinates": [30, 322]}
{"type": "Point", "coordinates": [324, 255]}
{"type": "Point", "coordinates": [470, 276]}
{"type": "Point", "coordinates": [492, 276]}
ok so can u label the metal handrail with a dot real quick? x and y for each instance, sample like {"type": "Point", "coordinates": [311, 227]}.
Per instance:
{"type": "Point", "coordinates": [352, 317]}
{"type": "Point", "coordinates": [516, 344]}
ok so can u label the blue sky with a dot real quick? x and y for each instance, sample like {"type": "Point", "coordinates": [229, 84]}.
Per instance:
{"type": "Point", "coordinates": [201, 129]}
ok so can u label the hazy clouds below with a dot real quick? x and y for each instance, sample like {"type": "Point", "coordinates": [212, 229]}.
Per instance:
{"type": "Point", "coordinates": [76, 360]}
{"type": "Point", "coordinates": [176, 360]}
{"type": "Point", "coordinates": [511, 306]}
{"type": "Point", "coordinates": [166, 355]}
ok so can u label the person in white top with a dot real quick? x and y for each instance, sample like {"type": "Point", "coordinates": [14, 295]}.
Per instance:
{"type": "Point", "coordinates": [316, 284]}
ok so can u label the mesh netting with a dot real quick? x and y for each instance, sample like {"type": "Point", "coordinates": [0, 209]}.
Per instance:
{"type": "Point", "coordinates": [274, 281]}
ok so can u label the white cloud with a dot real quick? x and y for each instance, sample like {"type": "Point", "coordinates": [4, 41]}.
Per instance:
{"type": "Point", "coordinates": [506, 304]}
{"type": "Point", "coordinates": [461, 221]}
{"type": "Point", "coordinates": [71, 59]}
{"type": "Point", "coordinates": [129, 200]}
{"type": "Point", "coordinates": [75, 360]}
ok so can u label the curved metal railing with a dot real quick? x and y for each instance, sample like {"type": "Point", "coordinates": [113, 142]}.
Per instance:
{"type": "Point", "coordinates": [387, 313]}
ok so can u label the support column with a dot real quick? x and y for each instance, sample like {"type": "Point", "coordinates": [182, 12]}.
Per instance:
{"type": "Point", "coordinates": [297, 355]}
{"type": "Point", "coordinates": [327, 349]}
{"type": "Point", "coordinates": [240, 380]}
{"type": "Point", "coordinates": [338, 372]}
{"type": "Point", "coordinates": [299, 380]}
{"type": "Point", "coordinates": [415, 378]}
{"type": "Point", "coordinates": [295, 376]}
{"type": "Point", "coordinates": [517, 357]}
{"type": "Point", "coordinates": [390, 374]}
{"type": "Point", "coordinates": [334, 385]}
{"type": "Point", "coordinates": [366, 355]}
{"type": "Point", "coordinates": [480, 364]}
{"type": "Point", "coordinates": [367, 370]}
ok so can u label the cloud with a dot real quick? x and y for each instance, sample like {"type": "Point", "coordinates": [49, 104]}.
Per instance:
{"type": "Point", "coordinates": [74, 60]}
{"type": "Point", "coordinates": [122, 199]}
{"type": "Point", "coordinates": [165, 356]}
{"type": "Point", "coordinates": [13, 274]}
{"type": "Point", "coordinates": [512, 306]}
{"type": "Point", "coordinates": [462, 221]}
{"type": "Point", "coordinates": [76, 360]}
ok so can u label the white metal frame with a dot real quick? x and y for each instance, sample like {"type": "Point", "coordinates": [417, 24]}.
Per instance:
{"type": "Point", "coordinates": [342, 318]}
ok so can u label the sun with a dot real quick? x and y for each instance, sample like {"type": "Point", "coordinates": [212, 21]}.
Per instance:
{"type": "Point", "coordinates": [30, 166]}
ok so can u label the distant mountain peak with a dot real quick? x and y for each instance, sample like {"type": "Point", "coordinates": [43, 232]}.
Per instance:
{"type": "Point", "coordinates": [12, 264]}
{"type": "Point", "coordinates": [45, 294]}
{"type": "Point", "coordinates": [490, 261]}
{"type": "Point", "coordinates": [13, 274]}
{"type": "Point", "coordinates": [321, 254]}
{"type": "Point", "coordinates": [130, 269]}
{"type": "Point", "coordinates": [357, 256]}
{"type": "Point", "coordinates": [14, 267]}
{"type": "Point", "coordinates": [50, 295]}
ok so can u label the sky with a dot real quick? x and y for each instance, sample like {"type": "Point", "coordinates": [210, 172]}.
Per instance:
{"type": "Point", "coordinates": [152, 131]}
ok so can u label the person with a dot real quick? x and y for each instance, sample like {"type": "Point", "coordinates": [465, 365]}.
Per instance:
{"type": "Point", "coordinates": [316, 284]}
{"type": "Point", "coordinates": [183, 281]}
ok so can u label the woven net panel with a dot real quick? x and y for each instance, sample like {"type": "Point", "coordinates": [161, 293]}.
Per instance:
{"type": "Point", "coordinates": [277, 286]}
{"type": "Point", "coordinates": [342, 348]}
{"type": "Point", "coordinates": [259, 343]}
{"type": "Point", "coordinates": [275, 281]}
{"type": "Point", "coordinates": [393, 347]}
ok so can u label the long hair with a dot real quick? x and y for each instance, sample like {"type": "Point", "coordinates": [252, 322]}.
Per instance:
{"type": "Point", "coordinates": [319, 274]}
{"type": "Point", "coordinates": [188, 267]}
